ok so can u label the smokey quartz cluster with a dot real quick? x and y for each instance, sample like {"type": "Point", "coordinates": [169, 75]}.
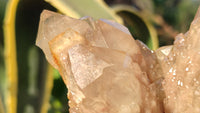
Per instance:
{"type": "Point", "coordinates": [107, 71]}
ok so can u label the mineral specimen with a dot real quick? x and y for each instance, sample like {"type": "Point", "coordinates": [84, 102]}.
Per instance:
{"type": "Point", "coordinates": [107, 71]}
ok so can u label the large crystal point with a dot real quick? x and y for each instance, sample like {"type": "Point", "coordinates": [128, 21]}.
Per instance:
{"type": "Point", "coordinates": [104, 68]}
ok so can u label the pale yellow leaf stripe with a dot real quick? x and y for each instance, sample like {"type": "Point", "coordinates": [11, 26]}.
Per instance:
{"type": "Point", "coordinates": [10, 56]}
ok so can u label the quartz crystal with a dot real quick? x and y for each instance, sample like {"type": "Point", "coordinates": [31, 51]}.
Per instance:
{"type": "Point", "coordinates": [107, 71]}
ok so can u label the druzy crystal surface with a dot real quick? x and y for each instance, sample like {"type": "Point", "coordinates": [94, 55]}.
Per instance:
{"type": "Point", "coordinates": [107, 71]}
{"type": "Point", "coordinates": [181, 70]}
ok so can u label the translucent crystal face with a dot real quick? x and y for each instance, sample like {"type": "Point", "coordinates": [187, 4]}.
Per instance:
{"type": "Point", "coordinates": [107, 71]}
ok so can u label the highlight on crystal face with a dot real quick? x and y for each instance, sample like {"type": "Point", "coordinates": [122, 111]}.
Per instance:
{"type": "Point", "coordinates": [107, 71]}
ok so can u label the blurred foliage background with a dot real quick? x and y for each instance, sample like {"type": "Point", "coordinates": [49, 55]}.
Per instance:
{"type": "Point", "coordinates": [36, 87]}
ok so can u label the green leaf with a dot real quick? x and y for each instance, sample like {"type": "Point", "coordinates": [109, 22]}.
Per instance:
{"type": "Point", "coordinates": [47, 89]}
{"type": "Point", "coordinates": [79, 8]}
